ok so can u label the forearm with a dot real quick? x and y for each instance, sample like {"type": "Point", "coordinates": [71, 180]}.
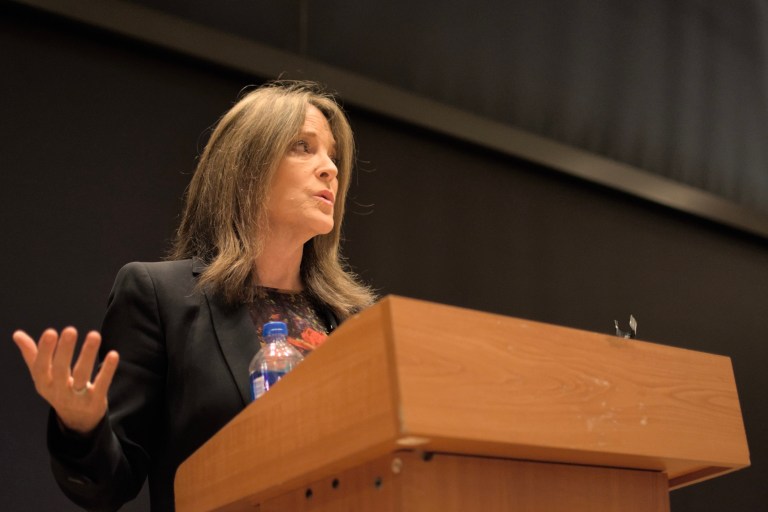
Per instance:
{"type": "Point", "coordinates": [94, 471]}
{"type": "Point", "coordinates": [108, 467]}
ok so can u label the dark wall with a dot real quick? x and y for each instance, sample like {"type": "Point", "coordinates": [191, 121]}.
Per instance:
{"type": "Point", "coordinates": [97, 140]}
{"type": "Point", "coordinates": [674, 87]}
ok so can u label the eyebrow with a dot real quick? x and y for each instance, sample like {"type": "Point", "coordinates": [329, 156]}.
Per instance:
{"type": "Point", "coordinates": [313, 134]}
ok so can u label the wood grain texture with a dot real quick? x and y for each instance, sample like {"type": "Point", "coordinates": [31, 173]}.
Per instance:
{"type": "Point", "coordinates": [450, 483]}
{"type": "Point", "coordinates": [404, 482]}
{"type": "Point", "coordinates": [337, 409]}
{"type": "Point", "coordinates": [369, 487]}
{"type": "Point", "coordinates": [479, 383]}
{"type": "Point", "coordinates": [407, 373]}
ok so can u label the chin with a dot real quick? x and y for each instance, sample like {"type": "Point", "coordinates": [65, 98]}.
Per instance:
{"type": "Point", "coordinates": [322, 228]}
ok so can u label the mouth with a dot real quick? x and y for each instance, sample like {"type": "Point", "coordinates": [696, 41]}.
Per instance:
{"type": "Point", "coordinates": [325, 196]}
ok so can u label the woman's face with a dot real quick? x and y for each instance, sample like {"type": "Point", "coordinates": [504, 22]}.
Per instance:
{"type": "Point", "coordinates": [301, 201]}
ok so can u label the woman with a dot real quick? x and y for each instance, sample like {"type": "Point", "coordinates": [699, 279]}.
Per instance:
{"type": "Point", "coordinates": [258, 240]}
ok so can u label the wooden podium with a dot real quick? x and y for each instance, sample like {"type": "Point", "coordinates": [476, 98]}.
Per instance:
{"type": "Point", "coordinates": [420, 407]}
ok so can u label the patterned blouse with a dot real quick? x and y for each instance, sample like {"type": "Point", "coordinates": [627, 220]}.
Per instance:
{"type": "Point", "coordinates": [306, 330]}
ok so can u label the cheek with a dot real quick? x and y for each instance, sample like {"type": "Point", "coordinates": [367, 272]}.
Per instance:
{"type": "Point", "coordinates": [283, 201]}
{"type": "Point", "coordinates": [283, 194]}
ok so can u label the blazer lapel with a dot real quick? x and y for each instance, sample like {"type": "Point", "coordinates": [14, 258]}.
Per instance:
{"type": "Point", "coordinates": [237, 338]}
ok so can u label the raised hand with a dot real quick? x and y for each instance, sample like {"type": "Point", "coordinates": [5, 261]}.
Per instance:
{"type": "Point", "coordinates": [79, 403]}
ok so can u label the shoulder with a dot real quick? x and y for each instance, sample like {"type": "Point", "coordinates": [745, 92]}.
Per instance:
{"type": "Point", "coordinates": [158, 290]}
{"type": "Point", "coordinates": [160, 269]}
{"type": "Point", "coordinates": [157, 276]}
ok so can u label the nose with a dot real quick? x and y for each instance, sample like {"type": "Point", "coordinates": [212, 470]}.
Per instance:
{"type": "Point", "coordinates": [327, 170]}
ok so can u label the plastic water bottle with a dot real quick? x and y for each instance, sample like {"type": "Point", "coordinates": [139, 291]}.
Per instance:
{"type": "Point", "coordinates": [274, 360]}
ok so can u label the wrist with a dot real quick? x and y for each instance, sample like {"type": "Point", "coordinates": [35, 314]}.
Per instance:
{"type": "Point", "coordinates": [73, 429]}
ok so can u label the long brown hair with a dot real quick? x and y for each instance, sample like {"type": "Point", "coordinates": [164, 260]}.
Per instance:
{"type": "Point", "coordinates": [224, 217]}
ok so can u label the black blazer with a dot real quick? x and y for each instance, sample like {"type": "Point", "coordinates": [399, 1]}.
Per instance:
{"type": "Point", "coordinates": [183, 374]}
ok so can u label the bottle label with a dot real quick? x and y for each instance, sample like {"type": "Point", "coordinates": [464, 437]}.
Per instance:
{"type": "Point", "coordinates": [262, 381]}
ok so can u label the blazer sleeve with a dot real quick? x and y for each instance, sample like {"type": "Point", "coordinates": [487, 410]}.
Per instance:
{"type": "Point", "coordinates": [108, 468]}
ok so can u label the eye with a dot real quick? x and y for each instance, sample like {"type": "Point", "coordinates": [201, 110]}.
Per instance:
{"type": "Point", "coordinates": [335, 159]}
{"type": "Point", "coordinates": [301, 146]}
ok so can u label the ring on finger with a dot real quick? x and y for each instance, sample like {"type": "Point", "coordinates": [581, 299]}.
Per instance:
{"type": "Point", "coordinates": [80, 391]}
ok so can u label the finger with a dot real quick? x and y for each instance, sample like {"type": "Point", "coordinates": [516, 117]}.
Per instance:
{"type": "Point", "coordinates": [104, 378]}
{"type": "Point", "coordinates": [83, 369]}
{"type": "Point", "coordinates": [27, 347]}
{"type": "Point", "coordinates": [41, 368]}
{"type": "Point", "coordinates": [61, 366]}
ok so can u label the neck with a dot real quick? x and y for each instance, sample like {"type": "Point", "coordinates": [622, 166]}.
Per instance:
{"type": "Point", "coordinates": [279, 265]}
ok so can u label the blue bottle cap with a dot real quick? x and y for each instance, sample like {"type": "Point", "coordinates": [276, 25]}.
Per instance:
{"type": "Point", "coordinates": [274, 328]}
